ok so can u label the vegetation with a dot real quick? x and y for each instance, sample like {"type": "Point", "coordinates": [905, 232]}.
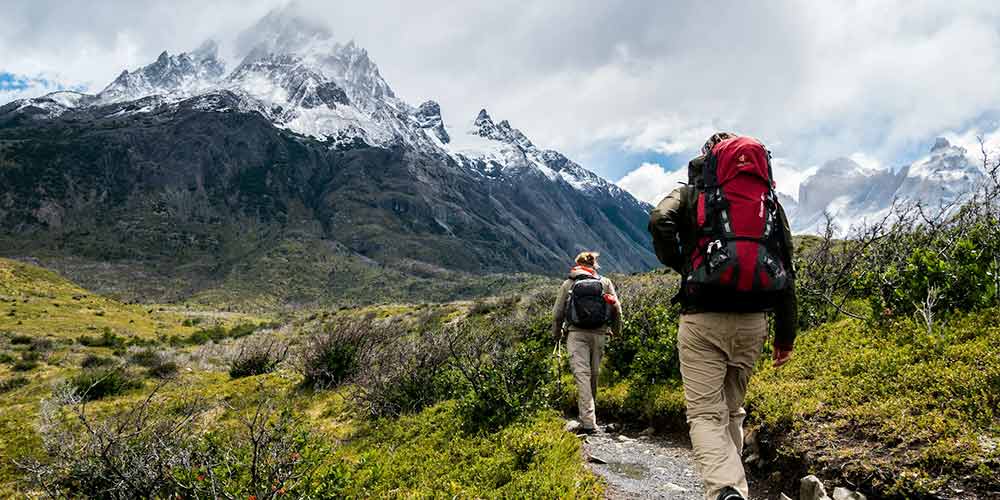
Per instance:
{"type": "Point", "coordinates": [894, 386]}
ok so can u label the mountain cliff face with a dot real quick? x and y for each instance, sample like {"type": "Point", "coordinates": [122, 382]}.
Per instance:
{"type": "Point", "coordinates": [852, 194]}
{"type": "Point", "coordinates": [186, 164]}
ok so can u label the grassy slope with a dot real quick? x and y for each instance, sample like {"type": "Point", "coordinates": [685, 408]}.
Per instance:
{"type": "Point", "coordinates": [911, 411]}
{"type": "Point", "coordinates": [423, 454]}
{"type": "Point", "coordinates": [38, 302]}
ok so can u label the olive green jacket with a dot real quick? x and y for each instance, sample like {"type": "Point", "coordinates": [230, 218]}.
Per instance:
{"type": "Point", "coordinates": [673, 224]}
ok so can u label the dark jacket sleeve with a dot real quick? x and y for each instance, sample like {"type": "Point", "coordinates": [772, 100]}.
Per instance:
{"type": "Point", "coordinates": [665, 225]}
{"type": "Point", "coordinates": [786, 319]}
{"type": "Point", "coordinates": [559, 309]}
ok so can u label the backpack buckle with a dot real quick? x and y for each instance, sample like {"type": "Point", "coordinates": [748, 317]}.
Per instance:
{"type": "Point", "coordinates": [717, 254]}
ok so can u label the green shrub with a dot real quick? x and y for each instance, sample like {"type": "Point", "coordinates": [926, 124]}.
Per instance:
{"type": "Point", "coordinates": [20, 339]}
{"type": "Point", "coordinates": [12, 383]}
{"type": "Point", "coordinates": [153, 449]}
{"type": "Point", "coordinates": [147, 357]}
{"type": "Point", "coordinates": [216, 333]}
{"type": "Point", "coordinates": [108, 338]}
{"type": "Point", "coordinates": [646, 349]}
{"type": "Point", "coordinates": [332, 356]}
{"type": "Point", "coordinates": [6, 357]}
{"type": "Point", "coordinates": [94, 361]}
{"type": "Point", "coordinates": [41, 345]}
{"type": "Point", "coordinates": [504, 366]}
{"type": "Point", "coordinates": [98, 383]}
{"type": "Point", "coordinates": [404, 373]}
{"type": "Point", "coordinates": [257, 356]}
{"type": "Point", "coordinates": [23, 365]}
{"type": "Point", "coordinates": [164, 369]}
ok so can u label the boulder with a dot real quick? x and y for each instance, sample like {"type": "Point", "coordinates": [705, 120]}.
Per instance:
{"type": "Point", "coordinates": [812, 489]}
{"type": "Point", "coordinates": [846, 494]}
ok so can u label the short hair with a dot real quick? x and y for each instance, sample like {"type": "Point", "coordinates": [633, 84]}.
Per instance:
{"type": "Point", "coordinates": [715, 139]}
{"type": "Point", "coordinates": [588, 259]}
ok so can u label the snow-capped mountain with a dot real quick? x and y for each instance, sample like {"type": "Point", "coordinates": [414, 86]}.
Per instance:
{"type": "Point", "coordinates": [484, 191]}
{"type": "Point", "coordinates": [853, 194]}
{"type": "Point", "coordinates": [181, 75]}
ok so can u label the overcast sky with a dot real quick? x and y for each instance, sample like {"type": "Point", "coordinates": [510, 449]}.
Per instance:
{"type": "Point", "coordinates": [629, 89]}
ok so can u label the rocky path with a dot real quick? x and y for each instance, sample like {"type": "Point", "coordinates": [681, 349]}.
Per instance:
{"type": "Point", "coordinates": [643, 466]}
{"type": "Point", "coordinates": [646, 465]}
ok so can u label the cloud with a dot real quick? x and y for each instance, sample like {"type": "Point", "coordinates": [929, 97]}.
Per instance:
{"type": "Point", "coordinates": [651, 183]}
{"type": "Point", "coordinates": [814, 81]}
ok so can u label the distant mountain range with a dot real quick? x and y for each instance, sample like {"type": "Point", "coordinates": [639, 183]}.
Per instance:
{"type": "Point", "coordinates": [853, 194]}
{"type": "Point", "coordinates": [187, 164]}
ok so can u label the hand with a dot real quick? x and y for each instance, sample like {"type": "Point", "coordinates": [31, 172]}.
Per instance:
{"type": "Point", "coordinates": [781, 356]}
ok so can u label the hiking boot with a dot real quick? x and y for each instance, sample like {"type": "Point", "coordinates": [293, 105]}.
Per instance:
{"type": "Point", "coordinates": [586, 431]}
{"type": "Point", "coordinates": [729, 493]}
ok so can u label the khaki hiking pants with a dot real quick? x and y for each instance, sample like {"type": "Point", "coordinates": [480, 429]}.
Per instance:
{"type": "Point", "coordinates": [585, 351]}
{"type": "Point", "coordinates": [717, 353]}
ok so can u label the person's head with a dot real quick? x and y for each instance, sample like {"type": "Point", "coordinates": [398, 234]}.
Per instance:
{"type": "Point", "coordinates": [588, 259]}
{"type": "Point", "coordinates": [715, 139]}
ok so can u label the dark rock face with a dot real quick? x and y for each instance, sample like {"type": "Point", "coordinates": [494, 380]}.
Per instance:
{"type": "Point", "coordinates": [189, 183]}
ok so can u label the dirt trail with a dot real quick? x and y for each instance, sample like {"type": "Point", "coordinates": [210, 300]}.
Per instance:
{"type": "Point", "coordinates": [644, 466]}
{"type": "Point", "coordinates": [650, 466]}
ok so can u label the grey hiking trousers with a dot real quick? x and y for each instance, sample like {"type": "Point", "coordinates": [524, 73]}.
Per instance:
{"type": "Point", "coordinates": [718, 352]}
{"type": "Point", "coordinates": [585, 351]}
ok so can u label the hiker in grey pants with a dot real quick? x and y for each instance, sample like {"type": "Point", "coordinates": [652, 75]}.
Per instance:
{"type": "Point", "coordinates": [585, 342]}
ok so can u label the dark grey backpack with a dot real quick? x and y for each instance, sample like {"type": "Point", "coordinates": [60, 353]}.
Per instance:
{"type": "Point", "coordinates": [586, 307]}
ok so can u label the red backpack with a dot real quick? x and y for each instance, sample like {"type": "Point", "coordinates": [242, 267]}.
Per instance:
{"type": "Point", "coordinates": [738, 263]}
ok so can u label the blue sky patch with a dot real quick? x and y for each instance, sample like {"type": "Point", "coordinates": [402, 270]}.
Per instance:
{"type": "Point", "coordinates": [611, 161]}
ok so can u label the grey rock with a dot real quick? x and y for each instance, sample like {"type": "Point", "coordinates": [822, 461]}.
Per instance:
{"type": "Point", "coordinates": [846, 494]}
{"type": "Point", "coordinates": [812, 489]}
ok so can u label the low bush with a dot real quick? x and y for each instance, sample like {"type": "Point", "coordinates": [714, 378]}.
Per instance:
{"type": "Point", "coordinates": [22, 365]}
{"type": "Point", "coordinates": [165, 369]}
{"type": "Point", "coordinates": [216, 333]}
{"type": "Point", "coordinates": [404, 373]}
{"type": "Point", "coordinates": [9, 384]}
{"type": "Point", "coordinates": [257, 356]}
{"type": "Point", "coordinates": [20, 339]}
{"type": "Point", "coordinates": [95, 361]}
{"type": "Point", "coordinates": [504, 366]}
{"type": "Point", "coordinates": [154, 449]}
{"type": "Point", "coordinates": [98, 383]}
{"type": "Point", "coordinates": [331, 356]}
{"type": "Point", "coordinates": [41, 345]}
{"type": "Point", "coordinates": [646, 349]}
{"type": "Point", "coordinates": [108, 338]}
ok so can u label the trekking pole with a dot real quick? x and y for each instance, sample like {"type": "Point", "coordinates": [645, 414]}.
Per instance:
{"type": "Point", "coordinates": [557, 353]}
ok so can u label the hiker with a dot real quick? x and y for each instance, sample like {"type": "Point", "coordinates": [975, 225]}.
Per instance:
{"type": "Point", "coordinates": [728, 237]}
{"type": "Point", "coordinates": [588, 307]}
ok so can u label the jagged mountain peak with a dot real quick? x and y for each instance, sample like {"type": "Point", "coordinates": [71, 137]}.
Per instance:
{"type": "Point", "coordinates": [484, 126]}
{"type": "Point", "coordinates": [940, 143]}
{"type": "Point", "coordinates": [428, 117]}
{"type": "Point", "coordinates": [183, 74]}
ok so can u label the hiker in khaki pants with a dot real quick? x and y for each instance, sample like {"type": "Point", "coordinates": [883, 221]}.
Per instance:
{"type": "Point", "coordinates": [728, 237]}
{"type": "Point", "coordinates": [588, 305]}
